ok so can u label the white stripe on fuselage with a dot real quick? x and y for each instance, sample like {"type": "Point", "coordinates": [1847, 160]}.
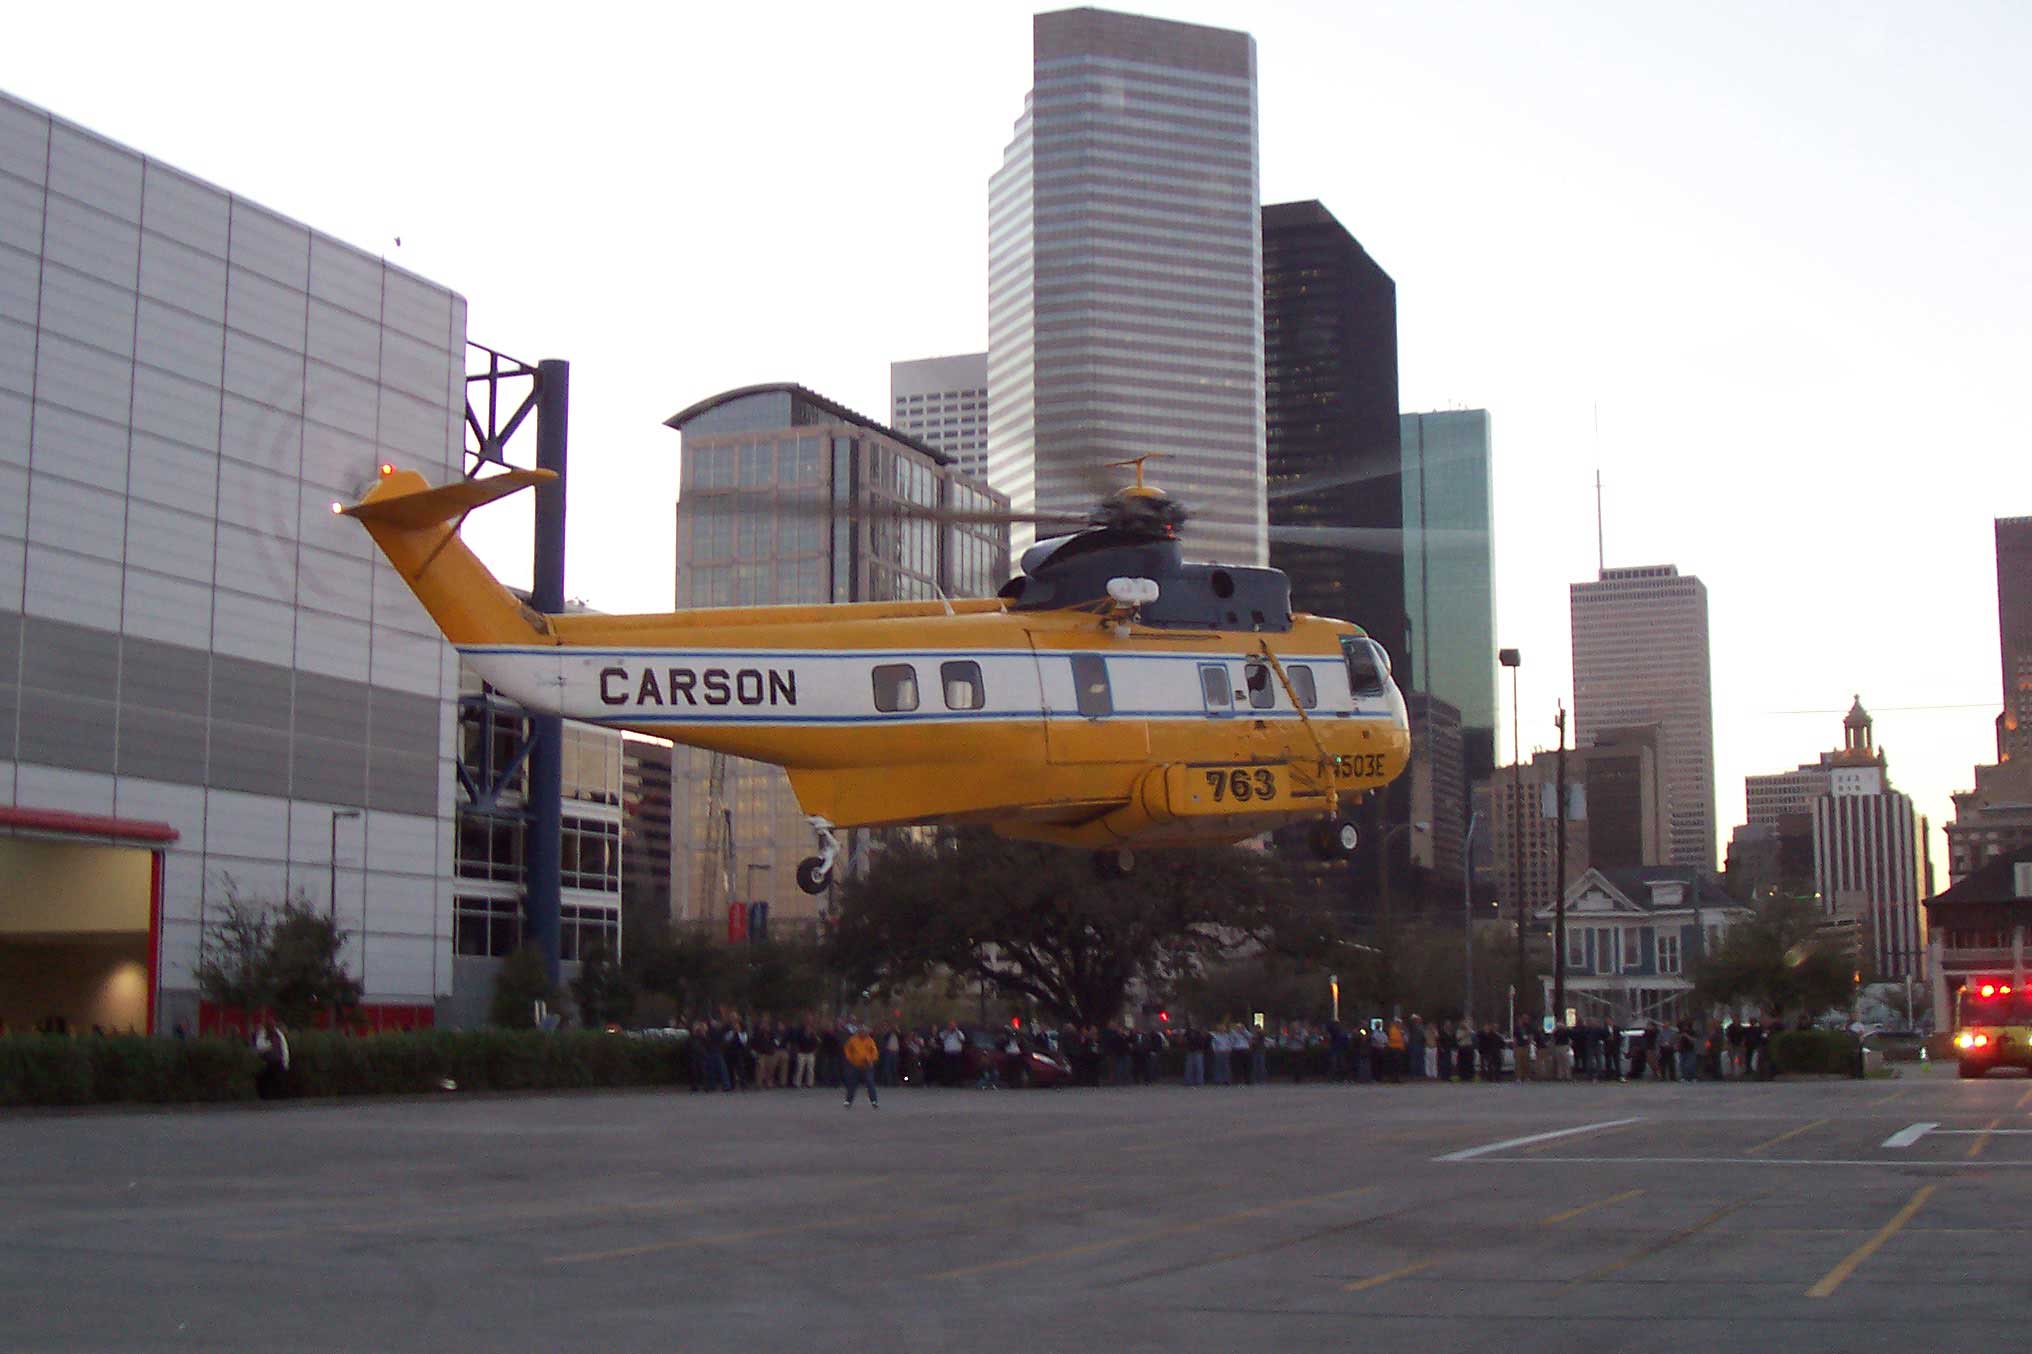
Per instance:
{"type": "Point", "coordinates": [789, 687]}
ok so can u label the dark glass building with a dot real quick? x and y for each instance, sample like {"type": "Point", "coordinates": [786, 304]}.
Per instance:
{"type": "Point", "coordinates": [1333, 457]}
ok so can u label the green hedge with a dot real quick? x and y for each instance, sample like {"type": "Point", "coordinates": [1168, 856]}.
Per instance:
{"type": "Point", "coordinates": [114, 1069]}
{"type": "Point", "coordinates": [1815, 1051]}
{"type": "Point", "coordinates": [123, 1069]}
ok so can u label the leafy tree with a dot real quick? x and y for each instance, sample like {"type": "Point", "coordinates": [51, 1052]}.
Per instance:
{"type": "Point", "coordinates": [1784, 958]}
{"type": "Point", "coordinates": [304, 949]}
{"type": "Point", "coordinates": [690, 968]}
{"type": "Point", "coordinates": [282, 957]}
{"type": "Point", "coordinates": [602, 990]}
{"type": "Point", "coordinates": [233, 966]}
{"type": "Point", "coordinates": [523, 981]}
{"type": "Point", "coordinates": [1035, 924]}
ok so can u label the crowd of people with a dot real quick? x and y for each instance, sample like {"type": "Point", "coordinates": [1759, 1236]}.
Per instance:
{"type": "Point", "coordinates": [734, 1054]}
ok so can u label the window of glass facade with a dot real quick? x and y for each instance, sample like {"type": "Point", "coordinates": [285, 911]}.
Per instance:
{"type": "Point", "coordinates": [580, 928]}
{"type": "Point", "coordinates": [485, 927]}
{"type": "Point", "coordinates": [589, 853]}
{"type": "Point", "coordinates": [489, 848]}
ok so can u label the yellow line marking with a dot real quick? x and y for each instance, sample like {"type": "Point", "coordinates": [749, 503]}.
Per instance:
{"type": "Point", "coordinates": [1836, 1276]}
{"type": "Point", "coordinates": [1895, 1095]}
{"type": "Point", "coordinates": [2024, 1100]}
{"type": "Point", "coordinates": [1983, 1139]}
{"type": "Point", "coordinates": [1646, 1252]}
{"type": "Point", "coordinates": [1153, 1234]}
{"type": "Point", "coordinates": [1789, 1133]}
{"type": "Point", "coordinates": [1570, 1214]}
{"type": "Point", "coordinates": [1378, 1280]}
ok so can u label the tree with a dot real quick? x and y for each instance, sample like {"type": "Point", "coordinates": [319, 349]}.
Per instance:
{"type": "Point", "coordinates": [275, 956]}
{"type": "Point", "coordinates": [1784, 958]}
{"type": "Point", "coordinates": [304, 949]}
{"type": "Point", "coordinates": [523, 981]}
{"type": "Point", "coordinates": [602, 990]}
{"type": "Point", "coordinates": [1035, 924]}
{"type": "Point", "coordinates": [232, 966]}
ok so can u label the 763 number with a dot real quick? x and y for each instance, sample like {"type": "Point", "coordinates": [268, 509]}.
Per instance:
{"type": "Point", "coordinates": [1242, 784]}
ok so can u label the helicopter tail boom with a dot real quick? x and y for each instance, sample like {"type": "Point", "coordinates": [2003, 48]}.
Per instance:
{"type": "Point", "coordinates": [417, 528]}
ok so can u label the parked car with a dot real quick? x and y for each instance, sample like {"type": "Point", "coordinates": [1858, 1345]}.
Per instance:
{"type": "Point", "coordinates": [1034, 1064]}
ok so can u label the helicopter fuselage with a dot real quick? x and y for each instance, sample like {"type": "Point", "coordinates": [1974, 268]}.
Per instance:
{"type": "Point", "coordinates": [1062, 725]}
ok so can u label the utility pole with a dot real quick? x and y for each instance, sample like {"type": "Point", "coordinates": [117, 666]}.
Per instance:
{"type": "Point", "coordinates": [1559, 881]}
{"type": "Point", "coordinates": [1513, 660]}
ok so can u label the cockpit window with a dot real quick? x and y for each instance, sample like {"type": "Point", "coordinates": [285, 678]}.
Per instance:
{"type": "Point", "coordinates": [1368, 666]}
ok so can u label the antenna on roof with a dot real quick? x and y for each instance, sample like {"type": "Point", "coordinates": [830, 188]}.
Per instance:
{"type": "Point", "coordinates": [1601, 553]}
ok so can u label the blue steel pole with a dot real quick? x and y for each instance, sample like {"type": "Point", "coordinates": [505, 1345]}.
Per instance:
{"type": "Point", "coordinates": [546, 733]}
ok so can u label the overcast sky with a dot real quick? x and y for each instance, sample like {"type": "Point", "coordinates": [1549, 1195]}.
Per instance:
{"type": "Point", "coordinates": [1782, 249]}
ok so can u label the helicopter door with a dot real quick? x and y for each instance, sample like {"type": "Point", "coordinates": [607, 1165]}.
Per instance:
{"type": "Point", "coordinates": [1081, 721]}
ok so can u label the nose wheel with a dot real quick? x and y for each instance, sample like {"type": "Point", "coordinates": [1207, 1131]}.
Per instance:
{"type": "Point", "coordinates": [1335, 838]}
{"type": "Point", "coordinates": [1117, 863]}
{"type": "Point", "coordinates": [815, 872]}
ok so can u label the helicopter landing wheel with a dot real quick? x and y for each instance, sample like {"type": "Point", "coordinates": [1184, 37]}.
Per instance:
{"type": "Point", "coordinates": [1335, 839]}
{"type": "Point", "coordinates": [813, 875]}
{"type": "Point", "coordinates": [1116, 863]}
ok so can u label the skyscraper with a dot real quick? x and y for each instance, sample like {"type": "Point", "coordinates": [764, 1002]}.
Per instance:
{"type": "Point", "coordinates": [1866, 853]}
{"type": "Point", "coordinates": [1450, 568]}
{"type": "Point", "coordinates": [1125, 276]}
{"type": "Point", "coordinates": [1330, 390]}
{"type": "Point", "coordinates": [790, 497]}
{"type": "Point", "coordinates": [2014, 635]}
{"type": "Point", "coordinates": [943, 403]}
{"type": "Point", "coordinates": [1640, 656]}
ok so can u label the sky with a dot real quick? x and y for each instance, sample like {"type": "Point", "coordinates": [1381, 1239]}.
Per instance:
{"type": "Point", "coordinates": [1762, 267]}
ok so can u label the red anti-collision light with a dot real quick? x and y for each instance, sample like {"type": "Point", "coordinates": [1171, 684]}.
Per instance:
{"type": "Point", "coordinates": [1982, 1039]}
{"type": "Point", "coordinates": [386, 470]}
{"type": "Point", "coordinates": [1989, 989]}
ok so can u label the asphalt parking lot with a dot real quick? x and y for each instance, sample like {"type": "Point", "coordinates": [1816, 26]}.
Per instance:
{"type": "Point", "coordinates": [1820, 1215]}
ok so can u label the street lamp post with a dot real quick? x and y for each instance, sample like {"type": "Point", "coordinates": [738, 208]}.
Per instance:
{"type": "Point", "coordinates": [332, 906]}
{"type": "Point", "coordinates": [1467, 914]}
{"type": "Point", "coordinates": [1513, 660]}
{"type": "Point", "coordinates": [1388, 928]}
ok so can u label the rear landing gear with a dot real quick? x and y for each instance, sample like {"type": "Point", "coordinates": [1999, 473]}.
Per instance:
{"type": "Point", "coordinates": [1116, 863]}
{"type": "Point", "coordinates": [1335, 839]}
{"type": "Point", "coordinates": [815, 872]}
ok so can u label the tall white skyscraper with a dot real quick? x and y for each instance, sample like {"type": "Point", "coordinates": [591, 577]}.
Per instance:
{"type": "Point", "coordinates": [943, 403]}
{"type": "Point", "coordinates": [1867, 851]}
{"type": "Point", "coordinates": [1125, 276]}
{"type": "Point", "coordinates": [1640, 656]}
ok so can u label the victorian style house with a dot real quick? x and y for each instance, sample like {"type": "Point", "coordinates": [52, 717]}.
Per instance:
{"type": "Point", "coordinates": [1631, 938]}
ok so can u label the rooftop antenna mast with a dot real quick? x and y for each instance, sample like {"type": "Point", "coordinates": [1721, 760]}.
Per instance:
{"type": "Point", "coordinates": [1601, 552]}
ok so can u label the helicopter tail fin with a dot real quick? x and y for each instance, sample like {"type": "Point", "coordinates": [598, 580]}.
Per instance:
{"type": "Point", "coordinates": [417, 528]}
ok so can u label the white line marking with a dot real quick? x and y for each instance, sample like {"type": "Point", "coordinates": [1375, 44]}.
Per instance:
{"type": "Point", "coordinates": [1905, 1137]}
{"type": "Point", "coordinates": [1470, 1153]}
{"type": "Point", "coordinates": [1883, 1163]}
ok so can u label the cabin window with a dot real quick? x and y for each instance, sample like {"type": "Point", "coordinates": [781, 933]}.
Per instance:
{"type": "Point", "coordinates": [1213, 683]}
{"type": "Point", "coordinates": [963, 689]}
{"type": "Point", "coordinates": [1090, 686]}
{"type": "Point", "coordinates": [1367, 666]}
{"type": "Point", "coordinates": [1262, 694]}
{"type": "Point", "coordinates": [1303, 684]}
{"type": "Point", "coordinates": [895, 688]}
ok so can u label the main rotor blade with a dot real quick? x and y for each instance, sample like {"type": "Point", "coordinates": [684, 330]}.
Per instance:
{"type": "Point", "coordinates": [1278, 490]}
{"type": "Point", "coordinates": [1386, 539]}
{"type": "Point", "coordinates": [793, 503]}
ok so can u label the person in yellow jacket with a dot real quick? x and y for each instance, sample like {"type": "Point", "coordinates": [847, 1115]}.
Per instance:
{"type": "Point", "coordinates": [861, 1056]}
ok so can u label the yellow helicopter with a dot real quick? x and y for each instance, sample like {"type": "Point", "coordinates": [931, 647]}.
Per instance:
{"type": "Point", "coordinates": [1111, 697]}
